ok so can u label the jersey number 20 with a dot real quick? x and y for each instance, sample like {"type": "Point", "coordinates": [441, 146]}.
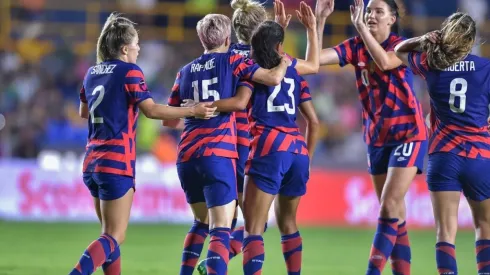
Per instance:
{"type": "Point", "coordinates": [461, 93]}
{"type": "Point", "coordinates": [289, 108]}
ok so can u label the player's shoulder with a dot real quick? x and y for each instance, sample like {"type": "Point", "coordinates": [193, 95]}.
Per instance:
{"type": "Point", "coordinates": [481, 61]}
{"type": "Point", "coordinates": [396, 38]}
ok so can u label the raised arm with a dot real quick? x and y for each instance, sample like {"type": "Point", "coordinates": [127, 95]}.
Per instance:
{"type": "Point", "coordinates": [414, 44]}
{"type": "Point", "coordinates": [385, 60]}
{"type": "Point", "coordinates": [312, 63]}
{"type": "Point", "coordinates": [323, 10]}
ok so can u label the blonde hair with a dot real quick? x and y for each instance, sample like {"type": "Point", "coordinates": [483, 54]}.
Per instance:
{"type": "Point", "coordinates": [213, 30]}
{"type": "Point", "coordinates": [248, 15]}
{"type": "Point", "coordinates": [117, 32]}
{"type": "Point", "coordinates": [458, 34]}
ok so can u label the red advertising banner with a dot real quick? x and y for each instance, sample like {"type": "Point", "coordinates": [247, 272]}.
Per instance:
{"type": "Point", "coordinates": [347, 198]}
{"type": "Point", "coordinates": [334, 198]}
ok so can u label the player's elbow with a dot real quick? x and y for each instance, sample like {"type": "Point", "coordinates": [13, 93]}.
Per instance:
{"type": "Point", "coordinates": [313, 123]}
{"type": "Point", "coordinates": [275, 80]}
{"type": "Point", "coordinates": [83, 111]}
{"type": "Point", "coordinates": [83, 115]}
{"type": "Point", "coordinates": [242, 104]}
{"type": "Point", "coordinates": [386, 66]}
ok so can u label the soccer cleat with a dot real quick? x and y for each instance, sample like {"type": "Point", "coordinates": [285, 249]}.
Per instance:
{"type": "Point", "coordinates": [201, 267]}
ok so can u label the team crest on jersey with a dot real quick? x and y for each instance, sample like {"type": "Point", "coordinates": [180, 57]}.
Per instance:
{"type": "Point", "coordinates": [143, 85]}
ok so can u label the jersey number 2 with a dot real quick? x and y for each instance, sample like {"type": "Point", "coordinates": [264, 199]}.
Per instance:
{"type": "Point", "coordinates": [461, 93]}
{"type": "Point", "coordinates": [289, 108]}
{"type": "Point", "coordinates": [101, 90]}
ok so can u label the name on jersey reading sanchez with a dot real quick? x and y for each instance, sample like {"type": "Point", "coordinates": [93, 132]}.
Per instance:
{"type": "Point", "coordinates": [196, 67]}
{"type": "Point", "coordinates": [462, 66]}
{"type": "Point", "coordinates": [103, 69]}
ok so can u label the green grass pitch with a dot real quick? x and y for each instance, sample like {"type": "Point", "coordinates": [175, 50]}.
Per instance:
{"type": "Point", "coordinates": [54, 248]}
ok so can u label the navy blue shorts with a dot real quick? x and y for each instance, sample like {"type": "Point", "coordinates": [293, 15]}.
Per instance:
{"type": "Point", "coordinates": [243, 152]}
{"type": "Point", "coordinates": [404, 155]}
{"type": "Point", "coordinates": [107, 186]}
{"type": "Point", "coordinates": [209, 179]}
{"type": "Point", "coordinates": [282, 173]}
{"type": "Point", "coordinates": [450, 172]}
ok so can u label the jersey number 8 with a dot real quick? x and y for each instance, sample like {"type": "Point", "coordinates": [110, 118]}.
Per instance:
{"type": "Point", "coordinates": [461, 93]}
{"type": "Point", "coordinates": [289, 108]}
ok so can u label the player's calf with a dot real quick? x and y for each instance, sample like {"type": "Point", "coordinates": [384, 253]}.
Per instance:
{"type": "Point", "coordinates": [193, 245]}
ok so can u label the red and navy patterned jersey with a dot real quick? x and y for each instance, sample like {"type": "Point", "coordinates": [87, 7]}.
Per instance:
{"type": "Point", "coordinates": [459, 98]}
{"type": "Point", "coordinates": [390, 111]}
{"type": "Point", "coordinates": [209, 78]}
{"type": "Point", "coordinates": [112, 91]}
{"type": "Point", "coordinates": [274, 112]}
{"type": "Point", "coordinates": [241, 49]}
{"type": "Point", "coordinates": [242, 125]}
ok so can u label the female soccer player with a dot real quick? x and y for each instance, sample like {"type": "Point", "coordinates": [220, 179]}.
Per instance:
{"type": "Point", "coordinates": [394, 128]}
{"type": "Point", "coordinates": [112, 92]}
{"type": "Point", "coordinates": [248, 15]}
{"type": "Point", "coordinates": [279, 162]}
{"type": "Point", "coordinates": [207, 150]}
{"type": "Point", "coordinates": [459, 149]}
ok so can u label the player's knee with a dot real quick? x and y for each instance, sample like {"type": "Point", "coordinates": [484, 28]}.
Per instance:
{"type": "Point", "coordinates": [287, 227]}
{"type": "Point", "coordinates": [482, 227]}
{"type": "Point", "coordinates": [390, 208]}
{"type": "Point", "coordinates": [118, 235]}
{"type": "Point", "coordinates": [446, 232]}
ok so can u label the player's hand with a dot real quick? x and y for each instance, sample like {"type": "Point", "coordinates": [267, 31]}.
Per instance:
{"type": "Point", "coordinates": [286, 59]}
{"type": "Point", "coordinates": [306, 16]}
{"type": "Point", "coordinates": [188, 103]}
{"type": "Point", "coordinates": [280, 16]}
{"type": "Point", "coordinates": [324, 8]}
{"type": "Point", "coordinates": [488, 126]}
{"type": "Point", "coordinates": [357, 13]}
{"type": "Point", "coordinates": [204, 110]}
{"type": "Point", "coordinates": [433, 36]}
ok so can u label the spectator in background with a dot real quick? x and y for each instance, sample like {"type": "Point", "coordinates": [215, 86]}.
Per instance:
{"type": "Point", "coordinates": [477, 9]}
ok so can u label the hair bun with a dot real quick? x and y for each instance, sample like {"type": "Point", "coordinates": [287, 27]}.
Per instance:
{"type": "Point", "coordinates": [239, 4]}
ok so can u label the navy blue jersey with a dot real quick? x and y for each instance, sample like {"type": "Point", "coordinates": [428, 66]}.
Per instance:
{"type": "Point", "coordinates": [460, 98]}
{"type": "Point", "coordinates": [112, 91]}
{"type": "Point", "coordinates": [209, 78]}
{"type": "Point", "coordinates": [274, 112]}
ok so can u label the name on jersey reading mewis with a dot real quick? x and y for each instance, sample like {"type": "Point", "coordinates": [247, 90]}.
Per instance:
{"type": "Point", "coordinates": [462, 66]}
{"type": "Point", "coordinates": [103, 69]}
{"type": "Point", "coordinates": [196, 67]}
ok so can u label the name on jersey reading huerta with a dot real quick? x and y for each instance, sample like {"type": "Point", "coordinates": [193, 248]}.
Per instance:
{"type": "Point", "coordinates": [462, 66]}
{"type": "Point", "coordinates": [196, 67]}
{"type": "Point", "coordinates": [103, 69]}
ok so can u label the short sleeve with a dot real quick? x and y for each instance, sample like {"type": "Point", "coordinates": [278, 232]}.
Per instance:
{"type": "Point", "coordinates": [247, 84]}
{"type": "Point", "coordinates": [346, 51]}
{"type": "Point", "coordinates": [135, 85]}
{"type": "Point", "coordinates": [305, 92]}
{"type": "Point", "coordinates": [174, 99]}
{"type": "Point", "coordinates": [418, 63]}
{"type": "Point", "coordinates": [243, 68]}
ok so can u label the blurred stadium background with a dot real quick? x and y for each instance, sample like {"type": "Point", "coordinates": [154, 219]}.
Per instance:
{"type": "Point", "coordinates": [46, 214]}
